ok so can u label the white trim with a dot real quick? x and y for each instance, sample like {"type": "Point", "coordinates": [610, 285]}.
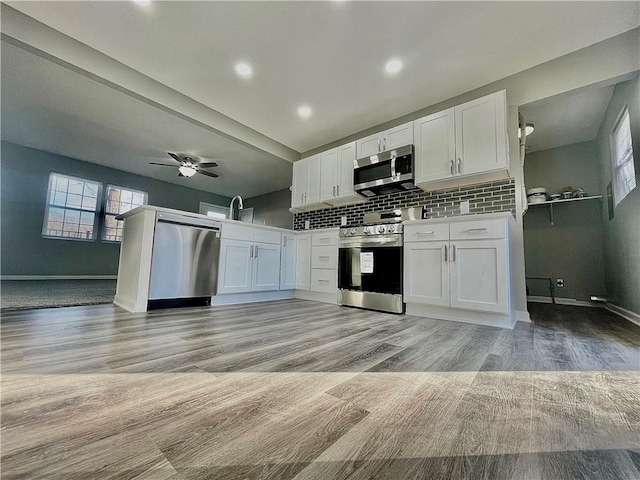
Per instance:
{"type": "Point", "coordinates": [240, 298]}
{"type": "Point", "coordinates": [523, 316]}
{"type": "Point", "coordinates": [459, 315]}
{"type": "Point", "coordinates": [624, 313]}
{"type": "Point", "coordinates": [563, 301]}
{"type": "Point", "coordinates": [58, 277]}
{"type": "Point", "coordinates": [317, 296]}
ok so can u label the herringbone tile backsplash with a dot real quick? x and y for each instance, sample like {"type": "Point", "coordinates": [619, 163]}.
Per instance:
{"type": "Point", "coordinates": [498, 196]}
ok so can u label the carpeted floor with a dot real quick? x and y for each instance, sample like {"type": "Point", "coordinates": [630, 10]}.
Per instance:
{"type": "Point", "coordinates": [26, 294]}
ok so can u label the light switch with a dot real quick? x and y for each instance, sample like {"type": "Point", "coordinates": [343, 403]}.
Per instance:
{"type": "Point", "coordinates": [306, 225]}
{"type": "Point", "coordinates": [343, 220]}
{"type": "Point", "coordinates": [464, 207]}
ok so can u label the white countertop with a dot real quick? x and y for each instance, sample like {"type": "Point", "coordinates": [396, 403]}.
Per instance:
{"type": "Point", "coordinates": [144, 208]}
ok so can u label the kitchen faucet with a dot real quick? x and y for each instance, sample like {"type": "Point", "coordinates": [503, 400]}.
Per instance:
{"type": "Point", "coordinates": [240, 206]}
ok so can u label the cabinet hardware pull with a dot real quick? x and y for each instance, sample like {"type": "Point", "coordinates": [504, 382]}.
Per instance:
{"type": "Point", "coordinates": [384, 144]}
{"type": "Point", "coordinates": [337, 190]}
{"type": "Point", "coordinates": [251, 251]}
{"type": "Point", "coordinates": [323, 281]}
{"type": "Point", "coordinates": [451, 167]}
{"type": "Point", "coordinates": [445, 253]}
{"type": "Point", "coordinates": [256, 251]}
{"type": "Point", "coordinates": [284, 240]}
{"type": "Point", "coordinates": [476, 230]}
{"type": "Point", "coordinates": [324, 256]}
{"type": "Point", "coordinates": [379, 145]}
{"type": "Point", "coordinates": [453, 253]}
{"type": "Point", "coordinates": [459, 165]}
{"type": "Point", "coordinates": [426, 232]}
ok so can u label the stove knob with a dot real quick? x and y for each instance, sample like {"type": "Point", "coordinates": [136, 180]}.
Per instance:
{"type": "Point", "coordinates": [392, 228]}
{"type": "Point", "coordinates": [352, 231]}
{"type": "Point", "coordinates": [367, 230]}
{"type": "Point", "coordinates": [381, 229]}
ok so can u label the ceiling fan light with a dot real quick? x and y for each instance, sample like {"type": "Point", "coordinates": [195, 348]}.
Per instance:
{"type": "Point", "coordinates": [187, 171]}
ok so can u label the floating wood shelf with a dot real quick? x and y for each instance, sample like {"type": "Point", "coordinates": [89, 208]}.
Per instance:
{"type": "Point", "coordinates": [551, 203]}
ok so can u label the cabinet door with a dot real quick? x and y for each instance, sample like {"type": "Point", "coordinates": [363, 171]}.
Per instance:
{"type": "Point", "coordinates": [303, 261]}
{"type": "Point", "coordinates": [313, 189]}
{"type": "Point", "coordinates": [481, 138]}
{"type": "Point", "coordinates": [435, 144]}
{"type": "Point", "coordinates": [369, 145]}
{"type": "Point", "coordinates": [328, 174]}
{"type": "Point", "coordinates": [235, 266]}
{"type": "Point", "coordinates": [288, 262]}
{"type": "Point", "coordinates": [299, 183]}
{"type": "Point", "coordinates": [266, 267]}
{"type": "Point", "coordinates": [344, 182]}
{"type": "Point", "coordinates": [480, 275]}
{"type": "Point", "coordinates": [426, 273]}
{"type": "Point", "coordinates": [398, 136]}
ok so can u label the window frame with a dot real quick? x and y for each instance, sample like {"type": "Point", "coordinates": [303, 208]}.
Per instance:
{"type": "Point", "coordinates": [48, 205]}
{"type": "Point", "coordinates": [219, 209]}
{"type": "Point", "coordinates": [615, 166]}
{"type": "Point", "coordinates": [106, 213]}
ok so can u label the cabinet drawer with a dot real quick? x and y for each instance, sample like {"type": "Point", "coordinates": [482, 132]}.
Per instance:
{"type": "Point", "coordinates": [426, 232]}
{"type": "Point", "coordinates": [324, 257]}
{"type": "Point", "coordinates": [325, 281]}
{"type": "Point", "coordinates": [237, 232]}
{"type": "Point", "coordinates": [266, 236]}
{"type": "Point", "coordinates": [328, 238]}
{"type": "Point", "coordinates": [479, 229]}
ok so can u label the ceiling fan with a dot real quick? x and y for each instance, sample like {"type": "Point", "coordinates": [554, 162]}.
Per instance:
{"type": "Point", "coordinates": [189, 165]}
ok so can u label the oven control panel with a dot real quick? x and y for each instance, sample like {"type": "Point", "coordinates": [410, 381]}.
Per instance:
{"type": "Point", "coordinates": [372, 230]}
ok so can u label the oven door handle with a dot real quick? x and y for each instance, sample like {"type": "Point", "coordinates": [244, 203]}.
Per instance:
{"type": "Point", "coordinates": [386, 242]}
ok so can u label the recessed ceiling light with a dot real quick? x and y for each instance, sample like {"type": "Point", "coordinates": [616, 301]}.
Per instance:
{"type": "Point", "coordinates": [244, 69]}
{"type": "Point", "coordinates": [393, 66]}
{"type": "Point", "coordinates": [144, 3]}
{"type": "Point", "coordinates": [304, 111]}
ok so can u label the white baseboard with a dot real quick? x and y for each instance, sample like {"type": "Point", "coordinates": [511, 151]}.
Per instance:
{"type": "Point", "coordinates": [624, 313]}
{"type": "Point", "coordinates": [317, 296]}
{"type": "Point", "coordinates": [238, 298]}
{"type": "Point", "coordinates": [523, 316]}
{"type": "Point", "coordinates": [563, 301]}
{"type": "Point", "coordinates": [58, 277]}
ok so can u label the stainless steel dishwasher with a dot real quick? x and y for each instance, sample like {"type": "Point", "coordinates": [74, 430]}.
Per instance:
{"type": "Point", "coordinates": [184, 262]}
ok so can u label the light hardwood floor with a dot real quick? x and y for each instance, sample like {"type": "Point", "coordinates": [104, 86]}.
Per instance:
{"type": "Point", "coordinates": [297, 389]}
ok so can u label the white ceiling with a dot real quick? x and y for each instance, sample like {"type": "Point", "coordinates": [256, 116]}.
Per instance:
{"type": "Point", "coordinates": [329, 55]}
{"type": "Point", "coordinates": [566, 119]}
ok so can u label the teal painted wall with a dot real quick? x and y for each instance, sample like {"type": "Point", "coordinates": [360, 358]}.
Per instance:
{"type": "Point", "coordinates": [24, 180]}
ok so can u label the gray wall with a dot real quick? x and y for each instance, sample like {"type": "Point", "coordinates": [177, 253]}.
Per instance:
{"type": "Point", "coordinates": [572, 248]}
{"type": "Point", "coordinates": [622, 233]}
{"type": "Point", "coordinates": [25, 176]}
{"type": "Point", "coordinates": [272, 209]}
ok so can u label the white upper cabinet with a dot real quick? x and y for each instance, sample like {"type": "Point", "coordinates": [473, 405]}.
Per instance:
{"type": "Point", "coordinates": [346, 157]}
{"type": "Point", "coordinates": [305, 188]}
{"type": "Point", "coordinates": [336, 175]}
{"type": "Point", "coordinates": [463, 144]}
{"type": "Point", "coordinates": [389, 139]}
{"type": "Point", "coordinates": [328, 174]}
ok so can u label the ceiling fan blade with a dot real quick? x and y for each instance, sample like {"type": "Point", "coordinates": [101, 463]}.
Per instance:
{"type": "Point", "coordinates": [180, 174]}
{"type": "Point", "coordinates": [207, 164]}
{"type": "Point", "coordinates": [162, 164]}
{"type": "Point", "coordinates": [175, 157]}
{"type": "Point", "coordinates": [208, 174]}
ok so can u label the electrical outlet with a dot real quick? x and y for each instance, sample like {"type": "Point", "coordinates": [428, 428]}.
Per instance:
{"type": "Point", "coordinates": [559, 282]}
{"type": "Point", "coordinates": [343, 220]}
{"type": "Point", "coordinates": [306, 225]}
{"type": "Point", "coordinates": [464, 207]}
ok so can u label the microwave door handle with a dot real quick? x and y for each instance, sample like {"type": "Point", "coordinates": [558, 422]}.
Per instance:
{"type": "Point", "coordinates": [393, 167]}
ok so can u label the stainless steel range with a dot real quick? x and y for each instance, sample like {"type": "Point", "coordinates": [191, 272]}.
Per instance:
{"type": "Point", "coordinates": [371, 261]}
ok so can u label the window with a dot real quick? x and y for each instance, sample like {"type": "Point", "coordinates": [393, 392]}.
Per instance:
{"type": "Point", "coordinates": [624, 175]}
{"type": "Point", "coordinates": [215, 211]}
{"type": "Point", "coordinates": [119, 200]}
{"type": "Point", "coordinates": [71, 207]}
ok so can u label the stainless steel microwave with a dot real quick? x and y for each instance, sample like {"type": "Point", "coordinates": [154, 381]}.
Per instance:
{"type": "Point", "coordinates": [385, 172]}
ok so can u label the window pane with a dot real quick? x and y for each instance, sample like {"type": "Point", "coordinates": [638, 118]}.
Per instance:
{"type": "Point", "coordinates": [74, 200]}
{"type": "Point", "coordinates": [76, 187]}
{"type": "Point", "coordinates": [623, 171]}
{"type": "Point", "coordinates": [138, 199]}
{"type": "Point", "coordinates": [60, 198]}
{"type": "Point", "coordinates": [125, 195]}
{"type": "Point", "coordinates": [61, 183]}
{"type": "Point", "coordinates": [119, 200]}
{"type": "Point", "coordinates": [89, 203]}
{"type": "Point", "coordinates": [90, 190]}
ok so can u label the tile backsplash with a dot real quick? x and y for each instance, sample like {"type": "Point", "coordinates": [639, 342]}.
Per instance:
{"type": "Point", "coordinates": [498, 196]}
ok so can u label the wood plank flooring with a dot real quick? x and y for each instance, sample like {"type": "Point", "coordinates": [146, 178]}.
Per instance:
{"type": "Point", "coordinates": [304, 390]}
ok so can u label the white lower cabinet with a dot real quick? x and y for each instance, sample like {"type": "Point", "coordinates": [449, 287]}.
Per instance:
{"type": "Point", "coordinates": [317, 262]}
{"type": "Point", "coordinates": [288, 262]}
{"type": "Point", "coordinates": [249, 259]}
{"type": "Point", "coordinates": [467, 270]}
